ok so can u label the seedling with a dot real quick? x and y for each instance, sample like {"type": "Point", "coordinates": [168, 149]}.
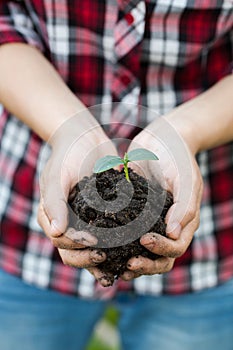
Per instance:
{"type": "Point", "coordinates": [109, 162]}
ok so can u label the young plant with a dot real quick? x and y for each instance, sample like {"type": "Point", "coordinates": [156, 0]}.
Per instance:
{"type": "Point", "coordinates": [109, 162]}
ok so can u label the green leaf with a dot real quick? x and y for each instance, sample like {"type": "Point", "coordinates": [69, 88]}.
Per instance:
{"type": "Point", "coordinates": [106, 163]}
{"type": "Point", "coordinates": [141, 154]}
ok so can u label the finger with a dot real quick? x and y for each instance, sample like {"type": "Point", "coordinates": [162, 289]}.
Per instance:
{"type": "Point", "coordinates": [74, 240]}
{"type": "Point", "coordinates": [71, 239]}
{"type": "Point", "coordinates": [143, 266]}
{"type": "Point", "coordinates": [128, 275]}
{"type": "Point", "coordinates": [180, 214]}
{"type": "Point", "coordinates": [164, 246]}
{"type": "Point", "coordinates": [44, 222]}
{"type": "Point", "coordinates": [81, 237]}
{"type": "Point", "coordinates": [105, 279]}
{"type": "Point", "coordinates": [54, 204]}
{"type": "Point", "coordinates": [81, 258]}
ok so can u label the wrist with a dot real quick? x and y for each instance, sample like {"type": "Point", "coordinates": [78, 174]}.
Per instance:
{"type": "Point", "coordinates": [82, 125]}
{"type": "Point", "coordinates": [206, 121]}
{"type": "Point", "coordinates": [183, 121]}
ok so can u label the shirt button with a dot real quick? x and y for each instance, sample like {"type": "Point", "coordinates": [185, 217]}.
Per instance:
{"type": "Point", "coordinates": [129, 18]}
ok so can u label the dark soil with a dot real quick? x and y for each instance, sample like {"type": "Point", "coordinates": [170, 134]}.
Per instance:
{"type": "Point", "coordinates": [119, 213]}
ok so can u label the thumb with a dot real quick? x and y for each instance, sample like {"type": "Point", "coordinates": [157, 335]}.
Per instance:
{"type": "Point", "coordinates": [54, 207]}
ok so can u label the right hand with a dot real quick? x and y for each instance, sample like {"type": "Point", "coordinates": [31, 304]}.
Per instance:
{"type": "Point", "coordinates": [76, 145]}
{"type": "Point", "coordinates": [177, 171]}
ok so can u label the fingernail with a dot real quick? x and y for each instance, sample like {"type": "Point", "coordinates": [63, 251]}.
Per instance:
{"type": "Point", "coordinates": [174, 228]}
{"type": "Point", "coordinates": [54, 229]}
{"type": "Point", "coordinates": [106, 281]}
{"type": "Point", "coordinates": [148, 239]}
{"type": "Point", "coordinates": [150, 246]}
{"type": "Point", "coordinates": [136, 265]}
{"type": "Point", "coordinates": [97, 256]}
{"type": "Point", "coordinates": [127, 276]}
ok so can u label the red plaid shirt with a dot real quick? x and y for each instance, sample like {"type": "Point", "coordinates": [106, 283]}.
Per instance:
{"type": "Point", "coordinates": [156, 53]}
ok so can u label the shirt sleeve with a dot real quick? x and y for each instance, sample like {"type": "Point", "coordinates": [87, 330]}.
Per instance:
{"type": "Point", "coordinates": [16, 25]}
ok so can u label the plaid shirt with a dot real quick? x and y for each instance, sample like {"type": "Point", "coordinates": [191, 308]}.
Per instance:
{"type": "Point", "coordinates": [155, 53]}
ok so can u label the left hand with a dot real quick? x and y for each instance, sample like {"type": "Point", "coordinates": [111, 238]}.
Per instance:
{"type": "Point", "coordinates": [76, 145]}
{"type": "Point", "coordinates": [178, 173]}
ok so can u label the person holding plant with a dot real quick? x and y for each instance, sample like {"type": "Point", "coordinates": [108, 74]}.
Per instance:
{"type": "Point", "coordinates": [57, 58]}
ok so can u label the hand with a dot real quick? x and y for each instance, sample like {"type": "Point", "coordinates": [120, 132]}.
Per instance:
{"type": "Point", "coordinates": [75, 147]}
{"type": "Point", "coordinates": [178, 172]}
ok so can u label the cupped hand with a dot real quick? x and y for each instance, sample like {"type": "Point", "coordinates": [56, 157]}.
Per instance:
{"type": "Point", "coordinates": [177, 172]}
{"type": "Point", "coordinates": [76, 145]}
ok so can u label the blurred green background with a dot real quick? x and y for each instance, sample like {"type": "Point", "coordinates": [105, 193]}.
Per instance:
{"type": "Point", "coordinates": [105, 336]}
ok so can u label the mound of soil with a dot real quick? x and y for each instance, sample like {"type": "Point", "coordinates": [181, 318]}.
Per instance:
{"type": "Point", "coordinates": [118, 213]}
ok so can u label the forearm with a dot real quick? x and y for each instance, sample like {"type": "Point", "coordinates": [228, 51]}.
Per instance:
{"type": "Point", "coordinates": [207, 120]}
{"type": "Point", "coordinates": [32, 89]}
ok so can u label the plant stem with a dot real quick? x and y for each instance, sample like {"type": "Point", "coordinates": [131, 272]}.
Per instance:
{"type": "Point", "coordinates": [126, 161]}
{"type": "Point", "coordinates": [126, 171]}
